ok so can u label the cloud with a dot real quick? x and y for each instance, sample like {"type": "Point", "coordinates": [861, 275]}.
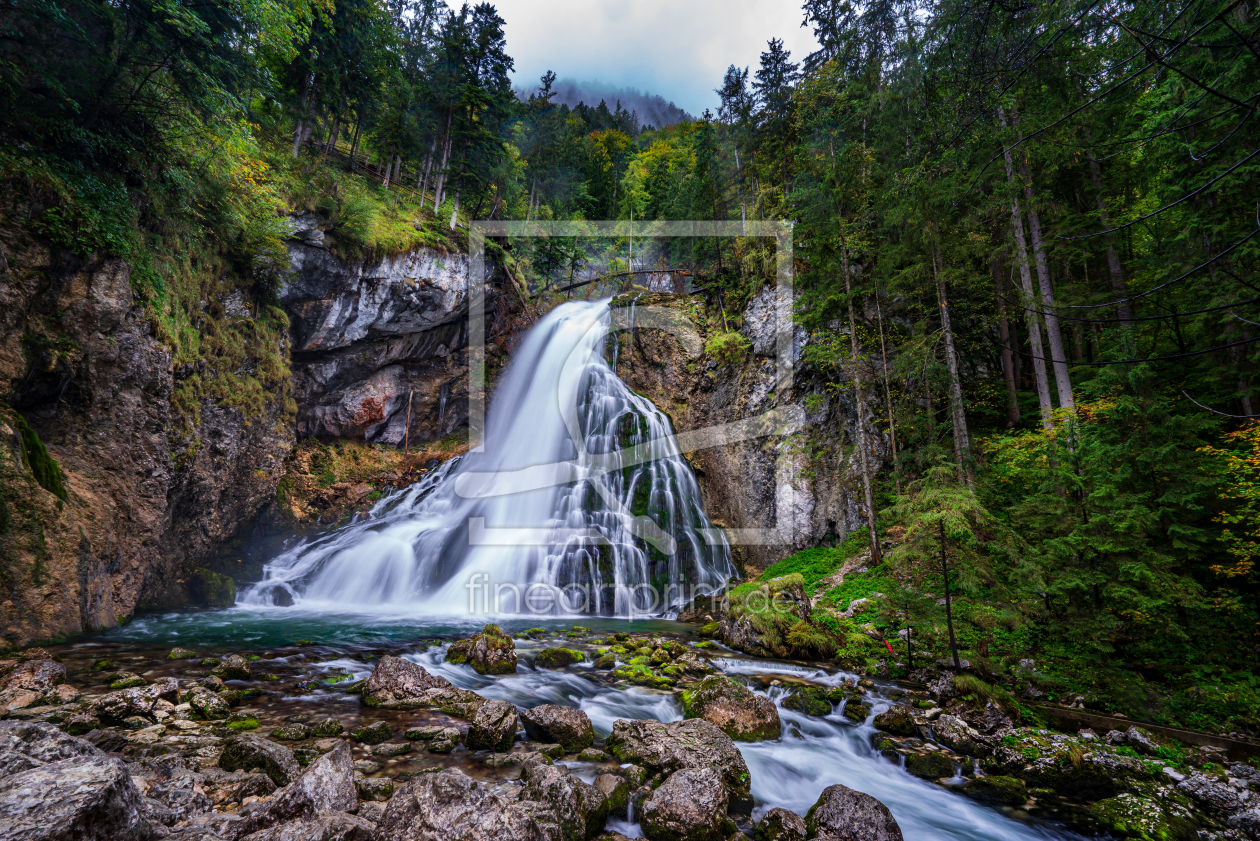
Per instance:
{"type": "Point", "coordinates": [678, 49]}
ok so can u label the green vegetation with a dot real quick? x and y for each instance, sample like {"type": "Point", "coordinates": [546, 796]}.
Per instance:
{"type": "Point", "coordinates": [727, 348]}
{"type": "Point", "coordinates": [44, 467]}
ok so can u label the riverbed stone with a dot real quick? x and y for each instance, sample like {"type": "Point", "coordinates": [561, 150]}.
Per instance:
{"type": "Point", "coordinates": [292, 732]}
{"type": "Point", "coordinates": [326, 826]}
{"type": "Point", "coordinates": [897, 721]}
{"type": "Point", "coordinates": [997, 790]}
{"type": "Point", "coordinates": [326, 786]}
{"type": "Point", "coordinates": [375, 788]}
{"type": "Point", "coordinates": [558, 658]}
{"type": "Point", "coordinates": [84, 798]}
{"type": "Point", "coordinates": [570, 728]}
{"type": "Point", "coordinates": [28, 682]}
{"type": "Point", "coordinates": [490, 652]}
{"type": "Point", "coordinates": [957, 735]}
{"type": "Point", "coordinates": [1129, 815]}
{"type": "Point", "coordinates": [689, 806]}
{"type": "Point", "coordinates": [116, 707]}
{"type": "Point", "coordinates": [449, 805]}
{"type": "Point", "coordinates": [852, 815]}
{"type": "Point", "coordinates": [232, 667]}
{"type": "Point", "coordinates": [616, 791]}
{"type": "Point", "coordinates": [396, 682]}
{"type": "Point", "coordinates": [493, 727]}
{"type": "Point", "coordinates": [206, 704]}
{"type": "Point", "coordinates": [374, 733]}
{"type": "Point", "coordinates": [929, 766]}
{"type": "Point", "coordinates": [1213, 795]}
{"type": "Point", "coordinates": [245, 752]}
{"type": "Point", "coordinates": [781, 825]}
{"type": "Point", "coordinates": [1069, 765]}
{"type": "Point", "coordinates": [26, 744]}
{"type": "Point", "coordinates": [667, 748]}
{"type": "Point", "coordinates": [579, 807]}
{"type": "Point", "coordinates": [813, 700]}
{"type": "Point", "coordinates": [178, 653]}
{"type": "Point", "coordinates": [737, 710]}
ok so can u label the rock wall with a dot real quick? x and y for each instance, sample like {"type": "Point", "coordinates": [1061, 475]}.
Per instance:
{"type": "Point", "coordinates": [153, 487]}
{"type": "Point", "coordinates": [796, 472]}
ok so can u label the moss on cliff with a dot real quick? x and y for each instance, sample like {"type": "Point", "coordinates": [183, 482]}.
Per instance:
{"type": "Point", "coordinates": [44, 467]}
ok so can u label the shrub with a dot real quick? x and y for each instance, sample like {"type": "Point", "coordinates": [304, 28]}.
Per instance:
{"type": "Point", "coordinates": [728, 347]}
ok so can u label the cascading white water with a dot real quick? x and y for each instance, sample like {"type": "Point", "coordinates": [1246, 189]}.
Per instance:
{"type": "Point", "coordinates": [580, 503]}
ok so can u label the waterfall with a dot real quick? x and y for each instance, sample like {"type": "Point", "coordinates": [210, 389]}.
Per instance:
{"type": "Point", "coordinates": [580, 503]}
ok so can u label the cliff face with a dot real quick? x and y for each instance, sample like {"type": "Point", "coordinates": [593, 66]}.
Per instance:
{"type": "Point", "coordinates": [159, 471]}
{"type": "Point", "coordinates": [799, 474]}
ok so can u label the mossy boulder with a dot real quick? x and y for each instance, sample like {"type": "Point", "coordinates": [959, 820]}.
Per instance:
{"type": "Point", "coordinates": [813, 700]}
{"type": "Point", "coordinates": [856, 711]}
{"type": "Point", "coordinates": [232, 667]}
{"type": "Point", "coordinates": [1130, 815]}
{"type": "Point", "coordinates": [997, 791]}
{"type": "Point", "coordinates": [210, 589]}
{"type": "Point", "coordinates": [606, 662]}
{"type": "Point", "coordinates": [373, 734]}
{"type": "Point", "coordinates": [566, 726]}
{"type": "Point", "coordinates": [557, 658]}
{"type": "Point", "coordinates": [1068, 765]}
{"type": "Point", "coordinates": [930, 766]}
{"type": "Point", "coordinates": [739, 712]}
{"type": "Point", "coordinates": [896, 721]}
{"type": "Point", "coordinates": [126, 680]}
{"type": "Point", "coordinates": [241, 722]}
{"type": "Point", "coordinates": [641, 675]}
{"type": "Point", "coordinates": [781, 825]}
{"type": "Point", "coordinates": [181, 654]}
{"type": "Point", "coordinates": [490, 652]}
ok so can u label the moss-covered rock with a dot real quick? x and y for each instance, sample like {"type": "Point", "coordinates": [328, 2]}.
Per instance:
{"type": "Point", "coordinates": [856, 711]}
{"type": "Point", "coordinates": [997, 791]}
{"type": "Point", "coordinates": [126, 680]}
{"type": "Point", "coordinates": [606, 662]}
{"type": "Point", "coordinates": [490, 652]}
{"type": "Point", "coordinates": [558, 658]}
{"type": "Point", "coordinates": [930, 766]}
{"type": "Point", "coordinates": [373, 734]}
{"type": "Point", "coordinates": [813, 700]}
{"type": "Point", "coordinates": [181, 654]}
{"type": "Point", "coordinates": [210, 589]}
{"type": "Point", "coordinates": [898, 721]}
{"type": "Point", "coordinates": [232, 667]}
{"type": "Point", "coordinates": [740, 713]}
{"type": "Point", "coordinates": [1069, 765]}
{"type": "Point", "coordinates": [1134, 816]}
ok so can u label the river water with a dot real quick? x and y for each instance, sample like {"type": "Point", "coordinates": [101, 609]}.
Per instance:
{"type": "Point", "coordinates": [789, 772]}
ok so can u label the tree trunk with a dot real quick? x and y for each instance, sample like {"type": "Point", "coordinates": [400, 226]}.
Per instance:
{"type": "Point", "coordinates": [446, 156]}
{"type": "Point", "coordinates": [892, 427]}
{"type": "Point", "coordinates": [1062, 378]}
{"type": "Point", "coordinates": [949, 614]}
{"type": "Point", "coordinates": [957, 412]}
{"type": "Point", "coordinates": [1123, 311]}
{"type": "Point", "coordinates": [861, 409]}
{"type": "Point", "coordinates": [739, 190]}
{"type": "Point", "coordinates": [1008, 357]}
{"type": "Point", "coordinates": [428, 164]}
{"type": "Point", "coordinates": [1028, 298]}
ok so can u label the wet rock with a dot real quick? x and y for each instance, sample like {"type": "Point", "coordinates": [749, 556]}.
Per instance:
{"type": "Point", "coordinates": [400, 683]}
{"type": "Point", "coordinates": [930, 766]}
{"type": "Point", "coordinates": [206, 704]}
{"type": "Point", "coordinates": [374, 733]}
{"type": "Point", "coordinates": [448, 806]}
{"type": "Point", "coordinates": [461, 703]}
{"type": "Point", "coordinates": [813, 700]}
{"type": "Point", "coordinates": [84, 798]}
{"type": "Point", "coordinates": [116, 707]}
{"type": "Point", "coordinates": [1246, 822]}
{"type": "Point", "coordinates": [997, 791]}
{"type": "Point", "coordinates": [178, 653]}
{"type": "Point", "coordinates": [490, 652]}
{"type": "Point", "coordinates": [78, 725]}
{"type": "Point", "coordinates": [326, 826]}
{"type": "Point", "coordinates": [293, 732]}
{"type": "Point", "coordinates": [570, 728]}
{"type": "Point", "coordinates": [126, 680]}
{"type": "Point", "coordinates": [232, 667]}
{"type": "Point", "coordinates": [856, 711]}
{"type": "Point", "coordinates": [897, 721]}
{"type": "Point", "coordinates": [593, 755]}
{"type": "Point", "coordinates": [851, 815]}
{"type": "Point", "coordinates": [956, 734]}
{"type": "Point", "coordinates": [689, 806]}
{"type": "Point", "coordinates": [33, 677]}
{"type": "Point", "coordinates": [109, 741]}
{"type": "Point", "coordinates": [175, 787]}
{"type": "Point", "coordinates": [557, 658]}
{"type": "Point", "coordinates": [389, 749]}
{"type": "Point", "coordinates": [580, 808]}
{"type": "Point", "coordinates": [990, 720]}
{"type": "Point", "coordinates": [27, 744]}
{"type": "Point", "coordinates": [667, 748]}
{"type": "Point", "coordinates": [493, 727]}
{"type": "Point", "coordinates": [781, 825]}
{"type": "Point", "coordinates": [615, 790]}
{"type": "Point", "coordinates": [247, 752]}
{"type": "Point", "coordinates": [1069, 765]}
{"type": "Point", "coordinates": [1141, 741]}
{"type": "Point", "coordinates": [733, 707]}
{"type": "Point", "coordinates": [327, 727]}
{"type": "Point", "coordinates": [326, 786]}
{"type": "Point", "coordinates": [606, 662]}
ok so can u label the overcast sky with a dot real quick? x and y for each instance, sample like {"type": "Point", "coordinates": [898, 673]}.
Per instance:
{"type": "Point", "coordinates": [678, 49]}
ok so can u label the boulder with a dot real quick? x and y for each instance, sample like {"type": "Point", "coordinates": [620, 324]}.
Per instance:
{"type": "Point", "coordinates": [35, 676]}
{"type": "Point", "coordinates": [116, 707]}
{"type": "Point", "coordinates": [293, 732]}
{"type": "Point", "coordinates": [666, 748]}
{"type": "Point", "coordinates": [84, 798]}
{"type": "Point", "coordinates": [997, 791]}
{"type": "Point", "coordinates": [733, 707]}
{"type": "Point", "coordinates": [326, 786]}
{"type": "Point", "coordinates": [490, 652]}
{"type": "Point", "coordinates": [1214, 796]}
{"type": "Point", "coordinates": [851, 815]}
{"type": "Point", "coordinates": [1141, 741]}
{"type": "Point", "coordinates": [400, 683]}
{"type": "Point", "coordinates": [374, 788]}
{"type": "Point", "coordinates": [326, 826]}
{"type": "Point", "coordinates": [781, 825]}
{"type": "Point", "coordinates": [181, 791]}
{"type": "Point", "coordinates": [1130, 815]}
{"type": "Point", "coordinates": [616, 791]}
{"type": "Point", "coordinates": [813, 700]}
{"type": "Point", "coordinates": [896, 721]}
{"type": "Point", "coordinates": [580, 809]}
{"type": "Point", "coordinates": [374, 733]}
{"type": "Point", "coordinates": [689, 806]}
{"type": "Point", "coordinates": [856, 711]}
{"type": "Point", "coordinates": [570, 728]}
{"type": "Point", "coordinates": [493, 727]}
{"type": "Point", "coordinates": [206, 704]}
{"type": "Point", "coordinates": [246, 751]}
{"type": "Point", "coordinates": [955, 734]}
{"type": "Point", "coordinates": [178, 653]}
{"type": "Point", "coordinates": [990, 720]}
{"type": "Point", "coordinates": [449, 806]}
{"type": "Point", "coordinates": [232, 667]}
{"type": "Point", "coordinates": [29, 744]}
{"type": "Point", "coordinates": [1069, 765]}
{"type": "Point", "coordinates": [557, 658]}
